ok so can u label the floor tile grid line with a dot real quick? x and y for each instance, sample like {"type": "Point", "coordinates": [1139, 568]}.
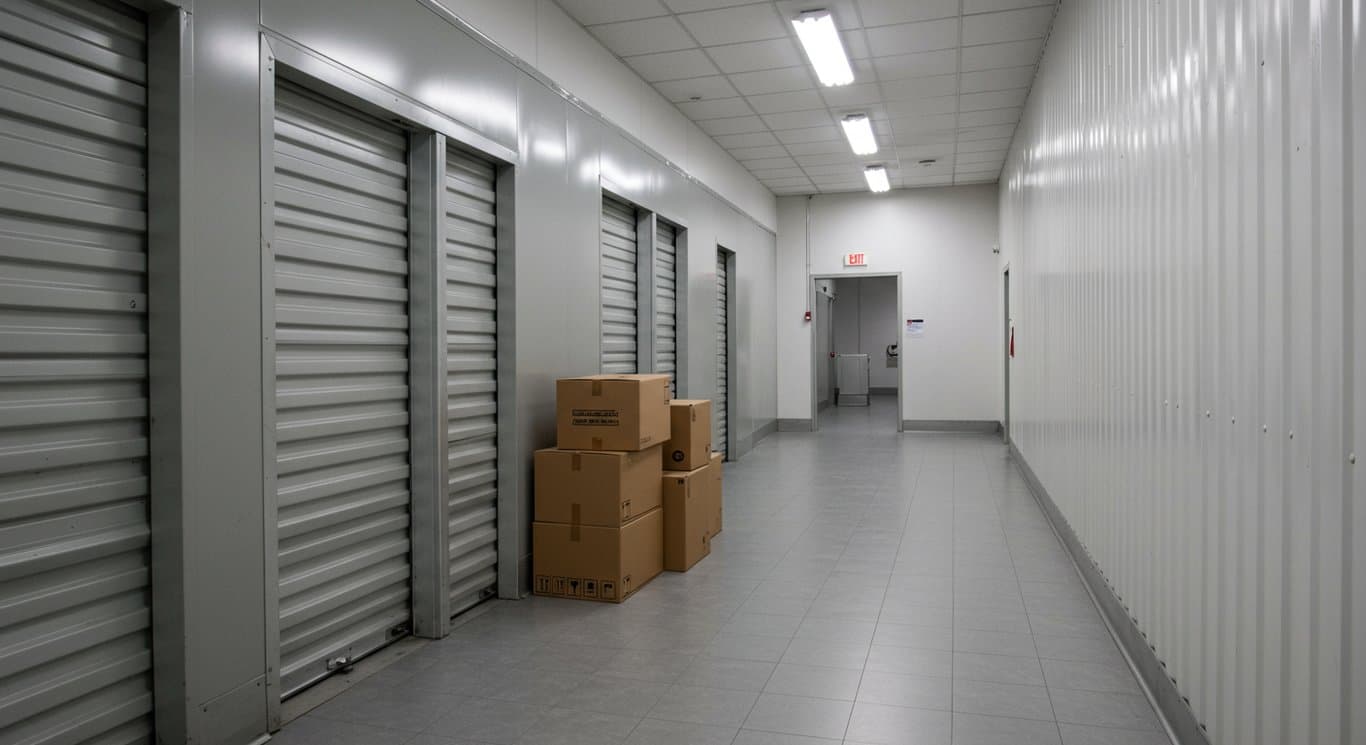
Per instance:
{"type": "Point", "coordinates": [982, 454]}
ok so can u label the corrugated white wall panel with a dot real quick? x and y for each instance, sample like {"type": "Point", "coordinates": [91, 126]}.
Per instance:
{"type": "Point", "coordinates": [1182, 218]}
{"type": "Point", "coordinates": [620, 312]}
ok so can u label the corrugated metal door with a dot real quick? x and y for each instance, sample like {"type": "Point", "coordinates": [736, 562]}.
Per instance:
{"type": "Point", "coordinates": [75, 642]}
{"type": "Point", "coordinates": [719, 406]}
{"type": "Point", "coordinates": [619, 286]}
{"type": "Point", "coordinates": [341, 383]}
{"type": "Point", "coordinates": [472, 378]}
{"type": "Point", "coordinates": [666, 303]}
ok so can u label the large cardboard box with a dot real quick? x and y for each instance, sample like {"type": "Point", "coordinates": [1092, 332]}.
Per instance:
{"type": "Point", "coordinates": [600, 488]}
{"type": "Point", "coordinates": [612, 412]}
{"type": "Point", "coordinates": [687, 518]}
{"type": "Point", "coordinates": [591, 563]}
{"type": "Point", "coordinates": [689, 445]}
{"type": "Point", "coordinates": [717, 506]}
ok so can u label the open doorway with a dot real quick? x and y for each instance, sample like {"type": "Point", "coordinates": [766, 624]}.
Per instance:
{"type": "Point", "coordinates": [856, 383]}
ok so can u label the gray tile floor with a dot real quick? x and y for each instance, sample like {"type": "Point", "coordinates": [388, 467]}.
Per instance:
{"type": "Point", "coordinates": [868, 588]}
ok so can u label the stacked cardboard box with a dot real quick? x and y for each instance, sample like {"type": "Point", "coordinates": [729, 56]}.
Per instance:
{"type": "Point", "coordinates": [692, 486]}
{"type": "Point", "coordinates": [599, 528]}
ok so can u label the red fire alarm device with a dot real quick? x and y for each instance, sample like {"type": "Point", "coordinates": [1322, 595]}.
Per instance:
{"type": "Point", "coordinates": [808, 315]}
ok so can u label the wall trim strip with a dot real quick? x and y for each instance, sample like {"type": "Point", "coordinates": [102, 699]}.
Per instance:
{"type": "Point", "coordinates": [951, 425]}
{"type": "Point", "coordinates": [1177, 717]}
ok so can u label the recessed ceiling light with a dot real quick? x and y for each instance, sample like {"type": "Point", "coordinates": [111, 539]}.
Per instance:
{"type": "Point", "coordinates": [877, 178]}
{"type": "Point", "coordinates": [859, 131]}
{"type": "Point", "coordinates": [821, 40]}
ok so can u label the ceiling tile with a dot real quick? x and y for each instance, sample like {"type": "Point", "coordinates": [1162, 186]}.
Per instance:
{"type": "Point", "coordinates": [991, 156]}
{"type": "Point", "coordinates": [993, 132]}
{"type": "Point", "coordinates": [766, 163]}
{"type": "Point", "coordinates": [992, 99]}
{"type": "Point", "coordinates": [1009, 25]}
{"type": "Point", "coordinates": [766, 173]}
{"type": "Point", "coordinates": [713, 86]}
{"type": "Point", "coordinates": [916, 152]}
{"type": "Point", "coordinates": [788, 191]}
{"type": "Point", "coordinates": [913, 37]}
{"type": "Point", "coordinates": [997, 80]}
{"type": "Point", "coordinates": [931, 123]}
{"type": "Point", "coordinates": [918, 65]}
{"type": "Point", "coordinates": [912, 88]}
{"type": "Point", "coordinates": [812, 134]}
{"type": "Point", "coordinates": [788, 182]}
{"type": "Point", "coordinates": [733, 25]}
{"type": "Point", "coordinates": [756, 55]}
{"type": "Point", "coordinates": [937, 137]}
{"type": "Point", "coordinates": [988, 116]}
{"type": "Point", "coordinates": [752, 139]}
{"type": "Point", "coordinates": [643, 37]}
{"type": "Point", "coordinates": [818, 148]}
{"type": "Point", "coordinates": [589, 12]}
{"type": "Point", "coordinates": [1010, 54]}
{"type": "Point", "coordinates": [688, 63]}
{"type": "Point", "coordinates": [716, 108]}
{"type": "Point", "coordinates": [753, 153]}
{"type": "Point", "coordinates": [887, 12]}
{"type": "Point", "coordinates": [852, 168]}
{"type": "Point", "coordinates": [798, 119]}
{"type": "Point", "coordinates": [827, 159]}
{"type": "Point", "coordinates": [986, 6]}
{"type": "Point", "coordinates": [852, 95]}
{"type": "Point", "coordinates": [855, 44]}
{"type": "Point", "coordinates": [772, 103]}
{"type": "Point", "coordinates": [689, 6]}
{"type": "Point", "coordinates": [773, 81]}
{"type": "Point", "coordinates": [732, 126]}
{"type": "Point", "coordinates": [972, 146]}
{"type": "Point", "coordinates": [923, 106]}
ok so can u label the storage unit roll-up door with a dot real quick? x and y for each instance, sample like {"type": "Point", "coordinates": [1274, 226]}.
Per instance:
{"type": "Point", "coordinates": [75, 616]}
{"type": "Point", "coordinates": [341, 383]}
{"type": "Point", "coordinates": [666, 303]}
{"type": "Point", "coordinates": [619, 299]}
{"type": "Point", "coordinates": [719, 407]}
{"type": "Point", "coordinates": [472, 378]}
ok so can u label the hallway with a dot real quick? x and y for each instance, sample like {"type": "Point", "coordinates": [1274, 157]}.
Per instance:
{"type": "Point", "coordinates": [867, 588]}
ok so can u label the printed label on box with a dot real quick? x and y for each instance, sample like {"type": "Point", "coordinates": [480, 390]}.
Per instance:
{"type": "Point", "coordinates": [595, 417]}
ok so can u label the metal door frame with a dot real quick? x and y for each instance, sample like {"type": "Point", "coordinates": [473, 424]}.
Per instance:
{"type": "Point", "coordinates": [429, 134]}
{"type": "Point", "coordinates": [1005, 411]}
{"type": "Point", "coordinates": [815, 353]}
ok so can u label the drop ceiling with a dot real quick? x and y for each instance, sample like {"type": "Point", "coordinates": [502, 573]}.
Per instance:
{"type": "Point", "coordinates": [942, 80]}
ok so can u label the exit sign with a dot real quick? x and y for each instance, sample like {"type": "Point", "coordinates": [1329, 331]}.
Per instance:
{"type": "Point", "coordinates": [856, 259]}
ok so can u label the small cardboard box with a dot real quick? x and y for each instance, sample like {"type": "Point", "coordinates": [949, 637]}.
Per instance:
{"type": "Point", "coordinates": [689, 445]}
{"type": "Point", "coordinates": [687, 518]}
{"type": "Point", "coordinates": [591, 563]}
{"type": "Point", "coordinates": [717, 500]}
{"type": "Point", "coordinates": [601, 488]}
{"type": "Point", "coordinates": [612, 412]}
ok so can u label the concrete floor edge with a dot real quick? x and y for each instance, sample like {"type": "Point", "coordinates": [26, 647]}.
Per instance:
{"type": "Point", "coordinates": [1181, 723]}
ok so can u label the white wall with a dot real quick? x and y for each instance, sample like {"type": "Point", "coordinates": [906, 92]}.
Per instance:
{"type": "Point", "coordinates": [940, 240]}
{"type": "Point", "coordinates": [1182, 213]}
{"type": "Point", "coordinates": [543, 35]}
{"type": "Point", "coordinates": [866, 322]}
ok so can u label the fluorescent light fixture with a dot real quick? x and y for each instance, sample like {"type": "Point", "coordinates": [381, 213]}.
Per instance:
{"type": "Point", "coordinates": [877, 178]}
{"type": "Point", "coordinates": [821, 40]}
{"type": "Point", "coordinates": [859, 131]}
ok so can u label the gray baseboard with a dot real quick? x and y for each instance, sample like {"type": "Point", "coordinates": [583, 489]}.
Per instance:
{"type": "Point", "coordinates": [822, 406]}
{"type": "Point", "coordinates": [884, 390]}
{"type": "Point", "coordinates": [982, 426]}
{"type": "Point", "coordinates": [764, 430]}
{"type": "Point", "coordinates": [795, 425]}
{"type": "Point", "coordinates": [1183, 727]}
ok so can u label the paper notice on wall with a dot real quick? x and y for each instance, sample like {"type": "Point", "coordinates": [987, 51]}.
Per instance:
{"type": "Point", "coordinates": [915, 327]}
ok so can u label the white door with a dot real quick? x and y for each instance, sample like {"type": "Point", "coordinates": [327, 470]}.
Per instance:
{"type": "Point", "coordinates": [341, 383]}
{"type": "Point", "coordinates": [619, 287]}
{"type": "Point", "coordinates": [75, 585]}
{"type": "Point", "coordinates": [472, 377]}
